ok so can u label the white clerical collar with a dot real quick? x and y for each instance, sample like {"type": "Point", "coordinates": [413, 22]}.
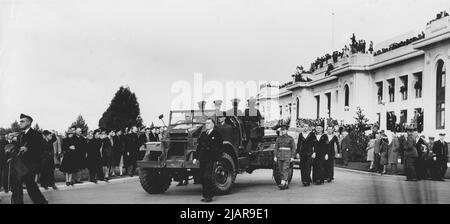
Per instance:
{"type": "Point", "coordinates": [26, 130]}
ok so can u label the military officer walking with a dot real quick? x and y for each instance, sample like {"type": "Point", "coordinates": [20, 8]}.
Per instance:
{"type": "Point", "coordinates": [209, 150]}
{"type": "Point", "coordinates": [440, 148]}
{"type": "Point", "coordinates": [284, 154]}
{"type": "Point", "coordinates": [28, 163]}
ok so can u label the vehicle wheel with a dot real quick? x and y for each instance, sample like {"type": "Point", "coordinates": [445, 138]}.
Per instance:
{"type": "Point", "coordinates": [223, 175]}
{"type": "Point", "coordinates": [277, 175]}
{"type": "Point", "coordinates": [154, 181]}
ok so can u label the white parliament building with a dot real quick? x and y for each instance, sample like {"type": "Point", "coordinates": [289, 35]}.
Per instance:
{"type": "Point", "coordinates": [402, 80]}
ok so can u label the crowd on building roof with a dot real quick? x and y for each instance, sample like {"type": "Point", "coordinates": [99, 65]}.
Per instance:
{"type": "Point", "coordinates": [439, 16]}
{"type": "Point", "coordinates": [400, 44]}
{"type": "Point", "coordinates": [356, 46]}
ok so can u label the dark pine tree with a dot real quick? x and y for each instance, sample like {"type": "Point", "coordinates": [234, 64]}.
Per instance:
{"type": "Point", "coordinates": [80, 123]}
{"type": "Point", "coordinates": [358, 139]}
{"type": "Point", "coordinates": [123, 111]}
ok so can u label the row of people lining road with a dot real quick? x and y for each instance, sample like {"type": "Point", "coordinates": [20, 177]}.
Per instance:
{"type": "Point", "coordinates": [103, 153]}
{"type": "Point", "coordinates": [316, 151]}
{"type": "Point", "coordinates": [422, 160]}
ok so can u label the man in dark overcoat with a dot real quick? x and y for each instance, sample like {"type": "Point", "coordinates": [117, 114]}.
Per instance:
{"type": "Point", "coordinates": [27, 162]}
{"type": "Point", "coordinates": [209, 151]}
{"type": "Point", "coordinates": [440, 149]}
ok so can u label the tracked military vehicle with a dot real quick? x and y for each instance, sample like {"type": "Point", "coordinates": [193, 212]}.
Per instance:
{"type": "Point", "coordinates": [171, 158]}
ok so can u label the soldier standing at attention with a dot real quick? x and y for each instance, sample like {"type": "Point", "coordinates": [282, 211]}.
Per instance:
{"type": "Point", "coordinates": [209, 150]}
{"type": "Point", "coordinates": [284, 154]}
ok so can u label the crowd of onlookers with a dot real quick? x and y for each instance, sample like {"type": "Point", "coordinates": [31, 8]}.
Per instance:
{"type": "Point", "coordinates": [103, 153]}
{"type": "Point", "coordinates": [421, 158]}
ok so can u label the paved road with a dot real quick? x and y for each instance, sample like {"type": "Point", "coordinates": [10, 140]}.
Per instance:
{"type": "Point", "coordinates": [350, 187]}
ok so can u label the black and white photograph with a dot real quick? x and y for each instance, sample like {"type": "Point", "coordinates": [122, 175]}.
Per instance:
{"type": "Point", "coordinates": [225, 103]}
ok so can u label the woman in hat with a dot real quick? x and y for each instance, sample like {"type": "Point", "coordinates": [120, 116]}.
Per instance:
{"type": "Point", "coordinates": [69, 164]}
{"type": "Point", "coordinates": [370, 153]}
{"type": "Point", "coordinates": [384, 153]}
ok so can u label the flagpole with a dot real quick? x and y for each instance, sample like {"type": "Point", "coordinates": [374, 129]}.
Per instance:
{"type": "Point", "coordinates": [332, 31]}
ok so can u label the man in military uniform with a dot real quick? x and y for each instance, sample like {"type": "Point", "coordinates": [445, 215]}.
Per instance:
{"type": "Point", "coordinates": [200, 117]}
{"type": "Point", "coordinates": [218, 108]}
{"type": "Point", "coordinates": [235, 110]}
{"type": "Point", "coordinates": [333, 145]}
{"type": "Point", "coordinates": [284, 154]}
{"type": "Point", "coordinates": [440, 149]}
{"type": "Point", "coordinates": [28, 162]}
{"type": "Point", "coordinates": [238, 113]}
{"type": "Point", "coordinates": [305, 149]}
{"type": "Point", "coordinates": [209, 150]}
{"type": "Point", "coordinates": [252, 122]}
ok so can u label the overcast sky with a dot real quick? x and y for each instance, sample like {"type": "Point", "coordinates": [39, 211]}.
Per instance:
{"type": "Point", "coordinates": [61, 58]}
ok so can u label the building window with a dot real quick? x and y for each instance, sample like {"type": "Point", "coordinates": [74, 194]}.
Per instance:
{"type": "Point", "coordinates": [440, 116]}
{"type": "Point", "coordinates": [440, 95]}
{"type": "Point", "coordinates": [347, 96]}
{"type": "Point", "coordinates": [298, 108]}
{"type": "Point", "coordinates": [380, 92]}
{"type": "Point", "coordinates": [404, 87]}
{"type": "Point", "coordinates": [418, 119]}
{"type": "Point", "coordinates": [281, 110]}
{"type": "Point", "coordinates": [403, 117]}
{"type": "Point", "coordinates": [318, 106]}
{"type": "Point", "coordinates": [391, 120]}
{"type": "Point", "coordinates": [391, 84]}
{"type": "Point", "coordinates": [290, 110]}
{"type": "Point", "coordinates": [328, 95]}
{"type": "Point", "coordinates": [418, 84]}
{"type": "Point", "coordinates": [378, 119]}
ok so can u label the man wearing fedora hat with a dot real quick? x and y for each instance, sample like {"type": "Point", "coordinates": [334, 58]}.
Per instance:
{"type": "Point", "coordinates": [30, 144]}
{"type": "Point", "coordinates": [440, 149]}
